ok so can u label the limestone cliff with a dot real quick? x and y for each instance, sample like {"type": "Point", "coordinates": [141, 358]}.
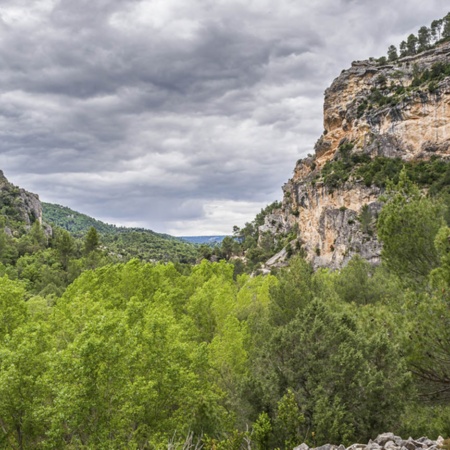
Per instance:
{"type": "Point", "coordinates": [399, 110]}
{"type": "Point", "coordinates": [18, 206]}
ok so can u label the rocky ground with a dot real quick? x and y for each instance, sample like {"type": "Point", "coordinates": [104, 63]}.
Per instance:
{"type": "Point", "coordinates": [388, 441]}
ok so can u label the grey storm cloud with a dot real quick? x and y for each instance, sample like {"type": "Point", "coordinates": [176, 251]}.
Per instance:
{"type": "Point", "coordinates": [184, 116]}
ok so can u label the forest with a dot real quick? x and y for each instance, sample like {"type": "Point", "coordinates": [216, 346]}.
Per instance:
{"type": "Point", "coordinates": [143, 355]}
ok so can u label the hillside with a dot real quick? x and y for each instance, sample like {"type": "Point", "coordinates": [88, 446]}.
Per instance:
{"type": "Point", "coordinates": [126, 242]}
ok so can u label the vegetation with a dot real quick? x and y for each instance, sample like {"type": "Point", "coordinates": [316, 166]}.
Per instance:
{"type": "Point", "coordinates": [426, 38]}
{"type": "Point", "coordinates": [98, 353]}
{"type": "Point", "coordinates": [433, 173]}
{"type": "Point", "coordinates": [121, 242]}
{"type": "Point", "coordinates": [249, 247]}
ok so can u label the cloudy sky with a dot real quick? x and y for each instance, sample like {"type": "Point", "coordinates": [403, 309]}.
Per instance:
{"type": "Point", "coordinates": [183, 116]}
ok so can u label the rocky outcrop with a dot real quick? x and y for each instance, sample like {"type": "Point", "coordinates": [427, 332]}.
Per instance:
{"type": "Point", "coordinates": [17, 205]}
{"type": "Point", "coordinates": [400, 110]}
{"type": "Point", "coordinates": [385, 441]}
{"type": "Point", "coordinates": [370, 106]}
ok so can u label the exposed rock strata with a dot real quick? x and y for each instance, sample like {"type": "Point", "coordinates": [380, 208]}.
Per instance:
{"type": "Point", "coordinates": [409, 123]}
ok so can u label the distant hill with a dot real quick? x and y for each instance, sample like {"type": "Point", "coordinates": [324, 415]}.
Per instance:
{"type": "Point", "coordinates": [208, 240]}
{"type": "Point", "coordinates": [128, 242]}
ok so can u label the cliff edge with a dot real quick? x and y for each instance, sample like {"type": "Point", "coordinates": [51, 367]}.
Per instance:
{"type": "Point", "coordinates": [373, 116]}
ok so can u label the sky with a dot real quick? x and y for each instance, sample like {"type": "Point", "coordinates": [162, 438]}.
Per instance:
{"type": "Point", "coordinates": [182, 116]}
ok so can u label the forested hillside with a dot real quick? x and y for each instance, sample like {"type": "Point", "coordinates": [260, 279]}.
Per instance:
{"type": "Point", "coordinates": [124, 242]}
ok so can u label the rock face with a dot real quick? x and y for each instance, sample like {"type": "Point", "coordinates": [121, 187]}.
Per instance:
{"type": "Point", "coordinates": [19, 205]}
{"type": "Point", "coordinates": [400, 110]}
{"type": "Point", "coordinates": [385, 441]}
{"type": "Point", "coordinates": [410, 124]}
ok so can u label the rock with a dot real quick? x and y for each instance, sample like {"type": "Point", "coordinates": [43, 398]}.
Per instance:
{"type": "Point", "coordinates": [357, 447]}
{"type": "Point", "coordinates": [373, 446]}
{"type": "Point", "coordinates": [410, 126]}
{"type": "Point", "coordinates": [21, 205]}
{"type": "Point", "coordinates": [302, 447]}
{"type": "Point", "coordinates": [326, 447]}
{"type": "Point", "coordinates": [426, 441]}
{"type": "Point", "coordinates": [408, 445]}
{"type": "Point", "coordinates": [382, 439]}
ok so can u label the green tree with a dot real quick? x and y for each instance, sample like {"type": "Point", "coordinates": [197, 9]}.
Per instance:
{"type": "Point", "coordinates": [227, 246]}
{"type": "Point", "coordinates": [294, 291]}
{"type": "Point", "coordinates": [91, 241]}
{"type": "Point", "coordinates": [338, 373]}
{"type": "Point", "coordinates": [392, 53]}
{"type": "Point", "coordinates": [65, 245]}
{"type": "Point", "coordinates": [446, 26]}
{"type": "Point", "coordinates": [423, 38]}
{"type": "Point", "coordinates": [288, 421]}
{"type": "Point", "coordinates": [23, 391]}
{"type": "Point", "coordinates": [407, 227]}
{"type": "Point", "coordinates": [403, 49]}
{"type": "Point", "coordinates": [13, 310]}
{"type": "Point", "coordinates": [411, 44]}
{"type": "Point", "coordinates": [436, 28]}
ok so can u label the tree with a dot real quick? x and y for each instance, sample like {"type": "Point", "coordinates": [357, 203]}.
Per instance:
{"type": "Point", "coordinates": [411, 45]}
{"type": "Point", "coordinates": [392, 53]}
{"type": "Point", "coordinates": [293, 292]}
{"type": "Point", "coordinates": [403, 49]}
{"type": "Point", "coordinates": [13, 309]}
{"type": "Point", "coordinates": [91, 241]}
{"type": "Point", "coordinates": [353, 284]}
{"type": "Point", "coordinates": [407, 227]}
{"type": "Point", "coordinates": [446, 26]}
{"type": "Point", "coordinates": [227, 246]}
{"type": "Point", "coordinates": [424, 38]}
{"type": "Point", "coordinates": [23, 392]}
{"type": "Point", "coordinates": [65, 246]}
{"type": "Point", "coordinates": [436, 27]}
{"type": "Point", "coordinates": [338, 373]}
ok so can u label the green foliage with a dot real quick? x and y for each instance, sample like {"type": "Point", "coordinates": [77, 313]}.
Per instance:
{"type": "Point", "coordinates": [12, 307]}
{"type": "Point", "coordinates": [433, 173]}
{"type": "Point", "coordinates": [262, 430]}
{"type": "Point", "coordinates": [325, 358]}
{"type": "Point", "coordinates": [91, 241]}
{"type": "Point", "coordinates": [125, 243]}
{"type": "Point", "coordinates": [366, 219]}
{"type": "Point", "coordinates": [288, 420]}
{"type": "Point", "coordinates": [76, 223]}
{"type": "Point", "coordinates": [356, 282]}
{"type": "Point", "coordinates": [100, 354]}
{"type": "Point", "coordinates": [337, 172]}
{"type": "Point", "coordinates": [426, 420]}
{"type": "Point", "coordinates": [252, 246]}
{"type": "Point", "coordinates": [407, 226]}
{"type": "Point", "coordinates": [426, 38]}
{"type": "Point", "coordinates": [392, 53]}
